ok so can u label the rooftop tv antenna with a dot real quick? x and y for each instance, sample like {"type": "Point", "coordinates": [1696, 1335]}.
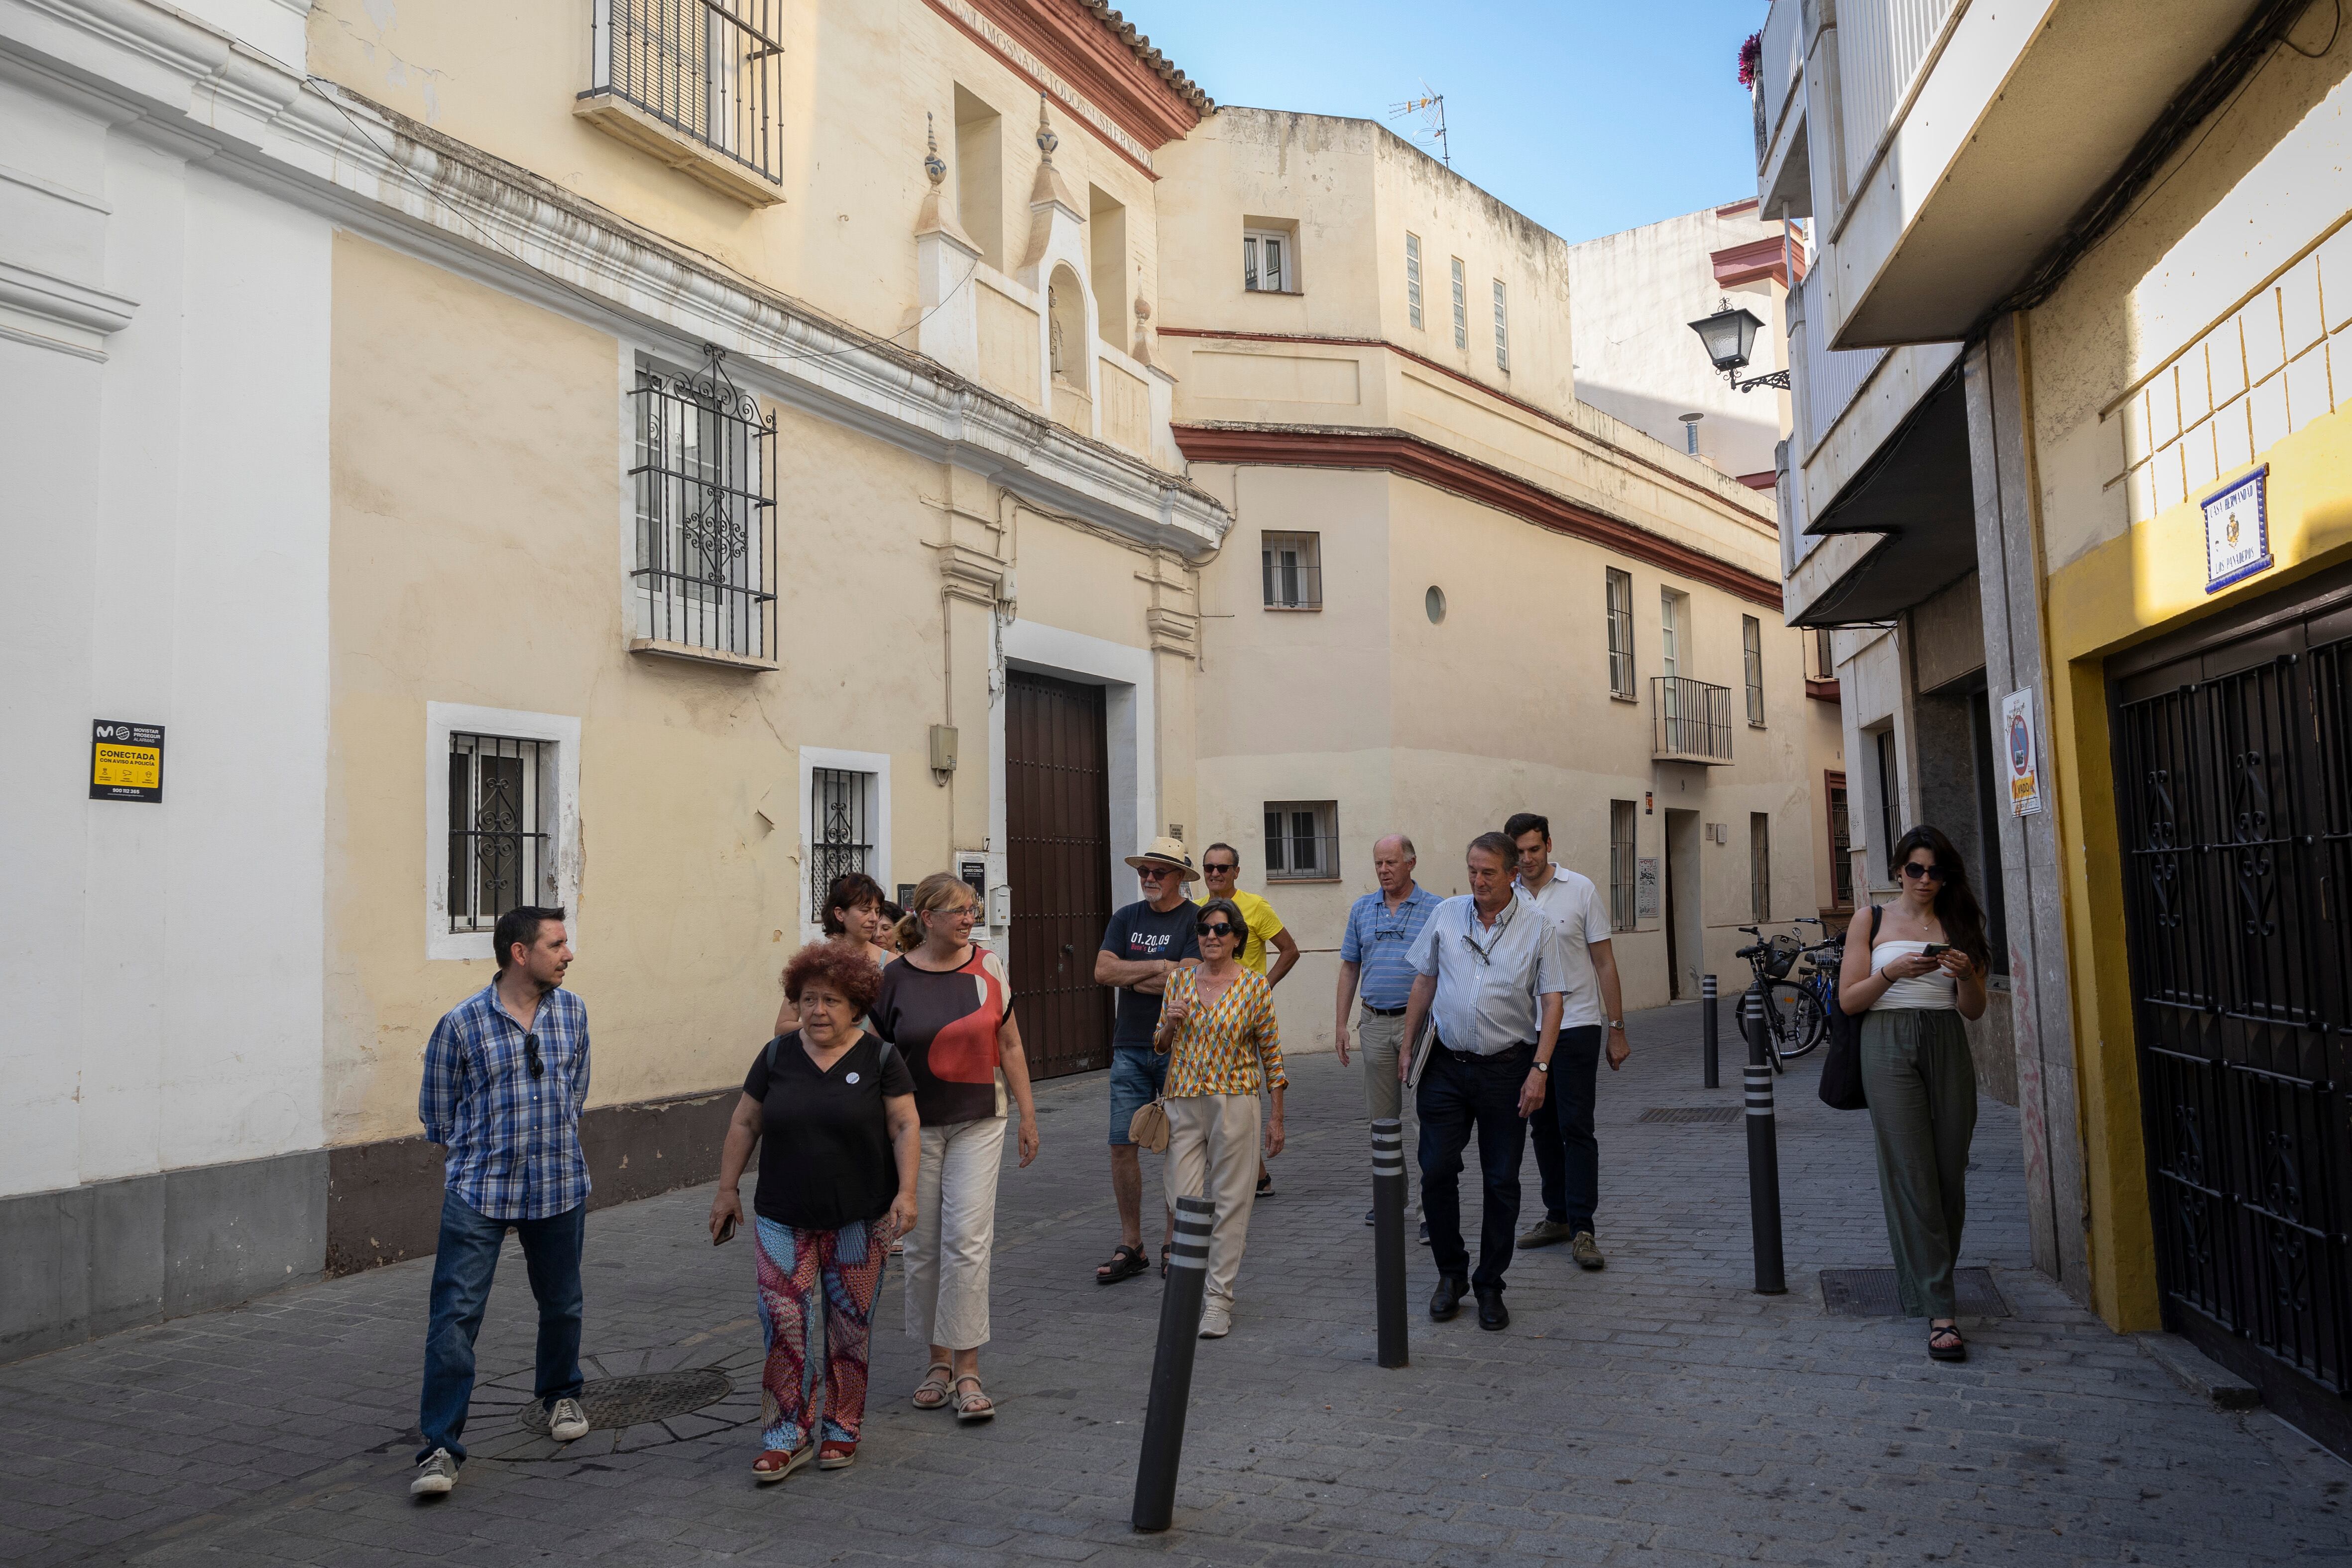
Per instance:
{"type": "Point", "coordinates": [1430, 107]}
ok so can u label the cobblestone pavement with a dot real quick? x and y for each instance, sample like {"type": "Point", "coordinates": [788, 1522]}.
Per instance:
{"type": "Point", "coordinates": [1656, 1413]}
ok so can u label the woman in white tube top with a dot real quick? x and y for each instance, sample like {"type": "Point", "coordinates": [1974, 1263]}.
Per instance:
{"type": "Point", "coordinates": [1919, 972]}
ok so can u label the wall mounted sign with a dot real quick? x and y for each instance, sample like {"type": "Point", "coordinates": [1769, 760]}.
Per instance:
{"type": "Point", "coordinates": [1645, 888]}
{"type": "Point", "coordinates": [126, 760]}
{"type": "Point", "coordinates": [2022, 747]}
{"type": "Point", "coordinates": [2237, 531]}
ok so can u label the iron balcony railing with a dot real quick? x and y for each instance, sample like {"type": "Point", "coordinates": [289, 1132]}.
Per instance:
{"type": "Point", "coordinates": [711, 70]}
{"type": "Point", "coordinates": [1691, 720]}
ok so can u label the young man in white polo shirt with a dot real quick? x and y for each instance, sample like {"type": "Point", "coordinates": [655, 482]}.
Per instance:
{"type": "Point", "coordinates": [1567, 1153]}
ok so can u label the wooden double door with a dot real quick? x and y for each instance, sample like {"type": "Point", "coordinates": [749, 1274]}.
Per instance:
{"type": "Point", "coordinates": [1058, 833]}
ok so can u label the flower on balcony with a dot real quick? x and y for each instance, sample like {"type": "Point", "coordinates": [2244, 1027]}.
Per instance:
{"type": "Point", "coordinates": [1751, 58]}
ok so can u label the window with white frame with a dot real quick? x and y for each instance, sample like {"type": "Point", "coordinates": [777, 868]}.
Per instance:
{"type": "Point", "coordinates": [1502, 329]}
{"type": "Point", "coordinates": [706, 497]}
{"type": "Point", "coordinates": [1461, 306]}
{"type": "Point", "coordinates": [1751, 660]}
{"type": "Point", "coordinates": [1266, 262]}
{"type": "Point", "coordinates": [1412, 280]}
{"type": "Point", "coordinates": [1302, 841]}
{"type": "Point", "coordinates": [1293, 570]}
{"type": "Point", "coordinates": [1621, 633]}
{"type": "Point", "coordinates": [501, 821]}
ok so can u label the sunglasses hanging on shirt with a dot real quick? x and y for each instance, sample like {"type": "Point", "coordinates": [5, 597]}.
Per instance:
{"type": "Point", "coordinates": [531, 1054]}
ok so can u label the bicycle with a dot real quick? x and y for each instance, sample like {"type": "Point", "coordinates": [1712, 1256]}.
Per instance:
{"type": "Point", "coordinates": [1795, 1017]}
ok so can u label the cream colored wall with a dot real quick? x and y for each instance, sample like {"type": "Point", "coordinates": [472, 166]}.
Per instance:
{"type": "Point", "coordinates": [859, 77]}
{"type": "Point", "coordinates": [479, 540]}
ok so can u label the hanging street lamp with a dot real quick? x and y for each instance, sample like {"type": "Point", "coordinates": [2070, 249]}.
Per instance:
{"type": "Point", "coordinates": [1729, 338]}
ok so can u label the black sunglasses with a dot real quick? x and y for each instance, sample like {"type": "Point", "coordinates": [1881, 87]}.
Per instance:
{"type": "Point", "coordinates": [531, 1054]}
{"type": "Point", "coordinates": [1917, 872]}
{"type": "Point", "coordinates": [1222, 928]}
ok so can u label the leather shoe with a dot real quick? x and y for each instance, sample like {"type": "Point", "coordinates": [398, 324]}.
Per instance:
{"type": "Point", "coordinates": [1446, 1299]}
{"type": "Point", "coordinates": [1492, 1314]}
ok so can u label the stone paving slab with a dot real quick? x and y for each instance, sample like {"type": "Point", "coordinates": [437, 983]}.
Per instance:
{"type": "Point", "coordinates": [1656, 1413]}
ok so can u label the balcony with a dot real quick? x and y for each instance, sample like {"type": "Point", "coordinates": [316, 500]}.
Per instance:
{"type": "Point", "coordinates": [696, 84]}
{"type": "Point", "coordinates": [1690, 720]}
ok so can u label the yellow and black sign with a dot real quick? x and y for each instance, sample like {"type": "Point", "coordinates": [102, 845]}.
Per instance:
{"type": "Point", "coordinates": [126, 761]}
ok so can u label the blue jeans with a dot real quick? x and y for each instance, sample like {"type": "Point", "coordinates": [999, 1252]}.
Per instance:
{"type": "Point", "coordinates": [1457, 1096]}
{"type": "Point", "coordinates": [1567, 1153]}
{"type": "Point", "coordinates": [463, 1266]}
{"type": "Point", "coordinates": [1136, 1078]}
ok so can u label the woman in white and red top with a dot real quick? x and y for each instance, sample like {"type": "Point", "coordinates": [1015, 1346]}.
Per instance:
{"type": "Point", "coordinates": [946, 1004]}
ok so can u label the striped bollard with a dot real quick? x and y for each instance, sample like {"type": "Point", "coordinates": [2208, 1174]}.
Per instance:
{"type": "Point", "coordinates": [1763, 1162]}
{"type": "Point", "coordinates": [1712, 1075]}
{"type": "Point", "coordinates": [1388, 1238]}
{"type": "Point", "coordinates": [1171, 1367]}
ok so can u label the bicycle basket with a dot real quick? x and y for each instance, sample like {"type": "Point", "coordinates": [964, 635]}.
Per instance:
{"type": "Point", "coordinates": [1781, 956]}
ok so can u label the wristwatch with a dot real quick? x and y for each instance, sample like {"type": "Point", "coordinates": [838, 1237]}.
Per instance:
{"type": "Point", "coordinates": [1617, 1024]}
{"type": "Point", "coordinates": [1544, 1067]}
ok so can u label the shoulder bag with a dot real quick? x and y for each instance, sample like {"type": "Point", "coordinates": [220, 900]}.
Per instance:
{"type": "Point", "coordinates": [1841, 1067]}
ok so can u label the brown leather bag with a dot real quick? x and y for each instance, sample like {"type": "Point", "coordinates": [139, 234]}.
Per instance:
{"type": "Point", "coordinates": [1148, 1128]}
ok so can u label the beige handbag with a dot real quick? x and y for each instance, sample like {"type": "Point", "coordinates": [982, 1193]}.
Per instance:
{"type": "Point", "coordinates": [1148, 1128]}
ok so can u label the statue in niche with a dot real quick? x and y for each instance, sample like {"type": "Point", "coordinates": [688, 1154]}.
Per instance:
{"type": "Point", "coordinates": [1053, 329]}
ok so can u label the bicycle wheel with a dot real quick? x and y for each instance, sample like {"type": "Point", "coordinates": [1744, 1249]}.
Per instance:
{"type": "Point", "coordinates": [1803, 1023]}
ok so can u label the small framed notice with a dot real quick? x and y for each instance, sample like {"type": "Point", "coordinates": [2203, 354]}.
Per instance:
{"type": "Point", "coordinates": [1645, 888]}
{"type": "Point", "coordinates": [126, 760]}
{"type": "Point", "coordinates": [2021, 747]}
{"type": "Point", "coordinates": [2237, 531]}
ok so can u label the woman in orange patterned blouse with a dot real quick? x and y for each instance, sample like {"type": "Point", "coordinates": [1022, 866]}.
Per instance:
{"type": "Point", "coordinates": [1217, 1022]}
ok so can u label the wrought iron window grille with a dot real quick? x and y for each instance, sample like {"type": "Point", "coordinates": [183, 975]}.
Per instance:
{"type": "Point", "coordinates": [1291, 569]}
{"type": "Point", "coordinates": [1302, 841]}
{"type": "Point", "coordinates": [500, 805]}
{"type": "Point", "coordinates": [841, 830]}
{"type": "Point", "coordinates": [1692, 719]}
{"type": "Point", "coordinates": [706, 546]}
{"type": "Point", "coordinates": [711, 70]}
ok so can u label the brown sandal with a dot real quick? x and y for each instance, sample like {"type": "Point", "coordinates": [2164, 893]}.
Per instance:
{"type": "Point", "coordinates": [775, 1464]}
{"type": "Point", "coordinates": [936, 1389]}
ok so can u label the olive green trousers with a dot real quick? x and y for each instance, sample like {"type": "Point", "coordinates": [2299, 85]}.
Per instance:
{"type": "Point", "coordinates": [1923, 1107]}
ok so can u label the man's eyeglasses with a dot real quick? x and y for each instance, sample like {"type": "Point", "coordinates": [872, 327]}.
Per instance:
{"type": "Point", "coordinates": [1918, 873]}
{"type": "Point", "coordinates": [1486, 953]}
{"type": "Point", "coordinates": [1221, 928]}
{"type": "Point", "coordinates": [531, 1054]}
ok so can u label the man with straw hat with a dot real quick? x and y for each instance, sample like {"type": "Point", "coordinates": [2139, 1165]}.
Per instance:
{"type": "Point", "coordinates": [1144, 944]}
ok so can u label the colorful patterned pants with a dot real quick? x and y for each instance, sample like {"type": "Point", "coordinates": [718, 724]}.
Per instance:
{"type": "Point", "coordinates": [820, 1284]}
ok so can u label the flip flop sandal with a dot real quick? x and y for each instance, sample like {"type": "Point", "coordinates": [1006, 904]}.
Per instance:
{"type": "Point", "coordinates": [938, 1389]}
{"type": "Point", "coordinates": [1124, 1263]}
{"type": "Point", "coordinates": [1955, 1351]}
{"type": "Point", "coordinates": [976, 1406]}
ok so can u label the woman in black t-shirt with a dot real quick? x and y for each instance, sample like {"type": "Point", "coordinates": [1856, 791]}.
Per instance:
{"type": "Point", "coordinates": [831, 1111]}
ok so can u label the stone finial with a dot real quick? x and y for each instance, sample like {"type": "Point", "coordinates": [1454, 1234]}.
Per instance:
{"type": "Point", "coordinates": [933, 166]}
{"type": "Point", "coordinates": [1143, 309]}
{"type": "Point", "coordinates": [1047, 139]}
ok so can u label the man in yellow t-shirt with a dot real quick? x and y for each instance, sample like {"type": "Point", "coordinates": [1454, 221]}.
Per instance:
{"type": "Point", "coordinates": [1221, 868]}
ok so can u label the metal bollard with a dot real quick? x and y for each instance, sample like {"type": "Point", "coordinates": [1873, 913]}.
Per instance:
{"type": "Point", "coordinates": [1763, 1163]}
{"type": "Point", "coordinates": [1388, 1238]}
{"type": "Point", "coordinates": [1713, 1077]}
{"type": "Point", "coordinates": [1171, 1367]}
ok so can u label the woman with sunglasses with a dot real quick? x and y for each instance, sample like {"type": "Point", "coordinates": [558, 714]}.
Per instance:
{"type": "Point", "coordinates": [1921, 971]}
{"type": "Point", "coordinates": [948, 1005]}
{"type": "Point", "coordinates": [1217, 1026]}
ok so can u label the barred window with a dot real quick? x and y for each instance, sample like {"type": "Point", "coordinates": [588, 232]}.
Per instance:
{"type": "Point", "coordinates": [501, 807]}
{"type": "Point", "coordinates": [841, 828]}
{"type": "Point", "coordinates": [1620, 632]}
{"type": "Point", "coordinates": [1759, 866]}
{"type": "Point", "coordinates": [1841, 842]}
{"type": "Point", "coordinates": [1621, 865]}
{"type": "Point", "coordinates": [706, 546]}
{"type": "Point", "coordinates": [1461, 307]}
{"type": "Point", "coordinates": [1412, 279]}
{"type": "Point", "coordinates": [1292, 567]}
{"type": "Point", "coordinates": [1751, 659]}
{"type": "Point", "coordinates": [1302, 841]}
{"type": "Point", "coordinates": [712, 71]}
{"type": "Point", "coordinates": [1502, 329]}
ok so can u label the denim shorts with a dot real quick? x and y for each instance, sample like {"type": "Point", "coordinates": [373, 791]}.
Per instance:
{"type": "Point", "coordinates": [1135, 1077]}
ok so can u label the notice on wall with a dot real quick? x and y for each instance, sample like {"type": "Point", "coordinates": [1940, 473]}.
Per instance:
{"type": "Point", "coordinates": [1645, 888]}
{"type": "Point", "coordinates": [126, 760]}
{"type": "Point", "coordinates": [2021, 746]}
{"type": "Point", "coordinates": [2237, 531]}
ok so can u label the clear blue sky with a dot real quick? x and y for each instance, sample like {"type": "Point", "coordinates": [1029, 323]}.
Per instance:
{"type": "Point", "coordinates": [1589, 117]}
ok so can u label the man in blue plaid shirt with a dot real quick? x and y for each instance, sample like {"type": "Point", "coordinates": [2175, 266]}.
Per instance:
{"type": "Point", "coordinates": [506, 1074]}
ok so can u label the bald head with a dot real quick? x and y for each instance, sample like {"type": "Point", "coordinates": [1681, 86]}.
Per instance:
{"type": "Point", "coordinates": [1392, 862]}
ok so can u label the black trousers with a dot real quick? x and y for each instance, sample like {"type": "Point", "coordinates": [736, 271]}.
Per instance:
{"type": "Point", "coordinates": [1568, 1157]}
{"type": "Point", "coordinates": [1458, 1095]}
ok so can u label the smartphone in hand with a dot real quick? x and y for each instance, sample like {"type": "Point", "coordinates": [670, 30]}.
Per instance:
{"type": "Point", "coordinates": [1935, 949]}
{"type": "Point", "coordinates": [726, 1233]}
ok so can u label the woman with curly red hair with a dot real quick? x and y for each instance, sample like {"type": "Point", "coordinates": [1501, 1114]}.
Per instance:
{"type": "Point", "coordinates": [830, 1109]}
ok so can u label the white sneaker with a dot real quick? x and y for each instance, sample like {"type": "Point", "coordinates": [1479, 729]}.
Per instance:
{"type": "Point", "coordinates": [436, 1476]}
{"type": "Point", "coordinates": [1217, 1321]}
{"type": "Point", "coordinates": [567, 1422]}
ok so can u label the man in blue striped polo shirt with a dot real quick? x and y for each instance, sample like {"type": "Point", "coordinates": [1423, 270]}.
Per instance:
{"type": "Point", "coordinates": [1380, 929]}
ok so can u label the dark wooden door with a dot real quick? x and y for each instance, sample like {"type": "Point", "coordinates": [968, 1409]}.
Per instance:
{"type": "Point", "coordinates": [1057, 831]}
{"type": "Point", "coordinates": [2233, 777]}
